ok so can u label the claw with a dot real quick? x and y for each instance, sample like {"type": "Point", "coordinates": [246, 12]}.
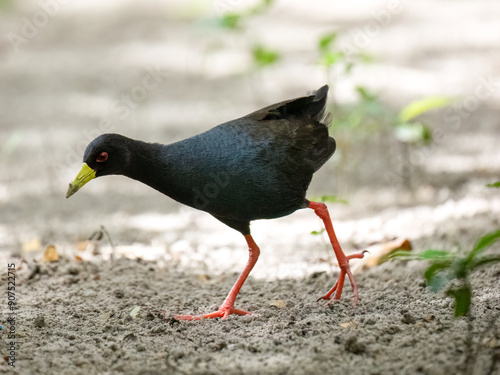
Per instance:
{"type": "Point", "coordinates": [227, 308]}
{"type": "Point", "coordinates": [345, 270]}
{"type": "Point", "coordinates": [221, 313]}
{"type": "Point", "coordinates": [360, 255]}
{"type": "Point", "coordinates": [322, 211]}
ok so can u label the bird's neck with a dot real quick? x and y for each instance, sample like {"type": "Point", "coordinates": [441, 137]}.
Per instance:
{"type": "Point", "coordinates": [151, 165]}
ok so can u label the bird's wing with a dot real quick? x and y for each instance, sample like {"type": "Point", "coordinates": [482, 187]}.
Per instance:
{"type": "Point", "coordinates": [307, 107]}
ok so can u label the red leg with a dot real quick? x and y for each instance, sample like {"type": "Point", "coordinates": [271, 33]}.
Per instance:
{"type": "Point", "coordinates": [321, 210]}
{"type": "Point", "coordinates": [227, 307]}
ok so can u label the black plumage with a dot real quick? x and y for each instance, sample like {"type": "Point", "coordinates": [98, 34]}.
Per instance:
{"type": "Point", "coordinates": [256, 167]}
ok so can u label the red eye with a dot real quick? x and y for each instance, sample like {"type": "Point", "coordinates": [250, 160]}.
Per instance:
{"type": "Point", "coordinates": [103, 156]}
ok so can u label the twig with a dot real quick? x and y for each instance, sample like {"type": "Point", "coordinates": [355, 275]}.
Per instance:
{"type": "Point", "coordinates": [113, 249]}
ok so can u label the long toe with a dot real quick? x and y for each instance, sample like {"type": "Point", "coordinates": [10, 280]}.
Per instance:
{"type": "Point", "coordinates": [221, 313]}
{"type": "Point", "coordinates": [345, 269]}
{"type": "Point", "coordinates": [360, 255]}
{"type": "Point", "coordinates": [330, 292]}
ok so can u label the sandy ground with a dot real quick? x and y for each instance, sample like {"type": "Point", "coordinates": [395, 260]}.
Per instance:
{"type": "Point", "coordinates": [79, 322]}
{"type": "Point", "coordinates": [69, 79]}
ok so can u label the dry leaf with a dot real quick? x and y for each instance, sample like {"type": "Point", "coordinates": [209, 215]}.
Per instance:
{"type": "Point", "coordinates": [279, 303]}
{"type": "Point", "coordinates": [203, 279]}
{"type": "Point", "coordinates": [379, 251]}
{"type": "Point", "coordinates": [21, 334]}
{"type": "Point", "coordinates": [429, 318]}
{"type": "Point", "coordinates": [50, 254]}
{"type": "Point", "coordinates": [135, 311]}
{"type": "Point", "coordinates": [82, 245]}
{"type": "Point", "coordinates": [32, 245]}
{"type": "Point", "coordinates": [78, 258]}
{"type": "Point", "coordinates": [351, 324]}
{"type": "Point", "coordinates": [490, 342]}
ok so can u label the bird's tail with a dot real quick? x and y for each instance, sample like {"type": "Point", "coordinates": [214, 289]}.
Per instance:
{"type": "Point", "coordinates": [310, 107]}
{"type": "Point", "coordinates": [316, 110]}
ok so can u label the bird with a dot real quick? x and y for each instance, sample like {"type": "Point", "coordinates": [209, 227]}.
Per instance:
{"type": "Point", "coordinates": [255, 167]}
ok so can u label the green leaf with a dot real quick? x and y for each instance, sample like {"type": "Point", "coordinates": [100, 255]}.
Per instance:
{"type": "Point", "coordinates": [366, 58]}
{"type": "Point", "coordinates": [348, 67]}
{"type": "Point", "coordinates": [263, 56]}
{"type": "Point", "coordinates": [462, 297]}
{"type": "Point", "coordinates": [494, 185]}
{"type": "Point", "coordinates": [331, 58]}
{"type": "Point", "coordinates": [484, 260]}
{"type": "Point", "coordinates": [355, 119]}
{"type": "Point", "coordinates": [483, 243]}
{"type": "Point", "coordinates": [460, 268]}
{"type": "Point", "coordinates": [230, 21]}
{"type": "Point", "coordinates": [317, 233]}
{"type": "Point", "coordinates": [437, 282]}
{"type": "Point", "coordinates": [435, 254]}
{"type": "Point", "coordinates": [426, 134]}
{"type": "Point", "coordinates": [365, 94]}
{"type": "Point", "coordinates": [326, 41]}
{"type": "Point", "coordinates": [401, 255]}
{"type": "Point", "coordinates": [328, 199]}
{"type": "Point", "coordinates": [332, 199]}
{"type": "Point", "coordinates": [433, 278]}
{"type": "Point", "coordinates": [418, 107]}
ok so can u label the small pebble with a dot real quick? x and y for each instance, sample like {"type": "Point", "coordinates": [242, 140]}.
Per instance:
{"type": "Point", "coordinates": [39, 322]}
{"type": "Point", "coordinates": [119, 293]}
{"type": "Point", "coordinates": [354, 346]}
{"type": "Point", "coordinates": [73, 271]}
{"type": "Point", "coordinates": [408, 319]}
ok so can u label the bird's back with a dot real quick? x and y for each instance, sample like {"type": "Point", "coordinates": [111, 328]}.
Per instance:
{"type": "Point", "coordinates": [255, 167]}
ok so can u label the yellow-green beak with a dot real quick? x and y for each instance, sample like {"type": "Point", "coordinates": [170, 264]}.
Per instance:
{"type": "Point", "coordinates": [85, 175]}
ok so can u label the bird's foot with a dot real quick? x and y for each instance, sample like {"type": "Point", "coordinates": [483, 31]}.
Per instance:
{"type": "Point", "coordinates": [223, 313]}
{"type": "Point", "coordinates": [344, 270]}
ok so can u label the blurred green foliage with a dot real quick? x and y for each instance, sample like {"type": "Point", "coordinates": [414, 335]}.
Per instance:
{"type": "Point", "coordinates": [329, 199]}
{"type": "Point", "coordinates": [410, 131]}
{"type": "Point", "coordinates": [366, 115]}
{"type": "Point", "coordinates": [365, 119]}
{"type": "Point", "coordinates": [318, 232]}
{"type": "Point", "coordinates": [11, 144]}
{"type": "Point", "coordinates": [230, 21]}
{"type": "Point", "coordinates": [418, 107]}
{"type": "Point", "coordinates": [368, 118]}
{"type": "Point", "coordinates": [447, 266]}
{"type": "Point", "coordinates": [263, 56]}
{"type": "Point", "coordinates": [331, 55]}
{"type": "Point", "coordinates": [6, 5]}
{"type": "Point", "coordinates": [233, 21]}
{"type": "Point", "coordinates": [328, 55]}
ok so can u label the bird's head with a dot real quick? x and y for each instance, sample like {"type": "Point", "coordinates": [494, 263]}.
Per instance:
{"type": "Point", "coordinates": [105, 155]}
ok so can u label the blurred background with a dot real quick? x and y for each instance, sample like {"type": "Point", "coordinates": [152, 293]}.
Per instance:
{"type": "Point", "coordinates": [414, 99]}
